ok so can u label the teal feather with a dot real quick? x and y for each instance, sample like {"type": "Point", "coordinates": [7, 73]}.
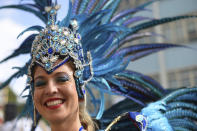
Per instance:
{"type": "Point", "coordinates": [155, 22]}
{"type": "Point", "coordinates": [21, 71]}
{"type": "Point", "coordinates": [42, 3]}
{"type": "Point", "coordinates": [32, 28]}
{"type": "Point", "coordinates": [180, 129]}
{"type": "Point", "coordinates": [152, 23]}
{"type": "Point", "coordinates": [107, 5]}
{"type": "Point", "coordinates": [180, 113]}
{"type": "Point", "coordinates": [5, 83]}
{"type": "Point", "coordinates": [26, 8]}
{"type": "Point", "coordinates": [98, 5]}
{"type": "Point", "coordinates": [115, 82]}
{"type": "Point", "coordinates": [93, 100]}
{"type": "Point", "coordinates": [83, 6]}
{"type": "Point", "coordinates": [144, 83]}
{"type": "Point", "coordinates": [24, 48]}
{"type": "Point", "coordinates": [174, 105]}
{"type": "Point", "coordinates": [178, 93]}
{"type": "Point", "coordinates": [188, 124]}
{"type": "Point", "coordinates": [113, 8]}
{"type": "Point", "coordinates": [121, 18]}
{"type": "Point", "coordinates": [102, 105]}
{"type": "Point", "coordinates": [91, 22]}
{"type": "Point", "coordinates": [106, 67]}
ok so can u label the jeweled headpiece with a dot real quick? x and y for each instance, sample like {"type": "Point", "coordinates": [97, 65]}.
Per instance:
{"type": "Point", "coordinates": [56, 45]}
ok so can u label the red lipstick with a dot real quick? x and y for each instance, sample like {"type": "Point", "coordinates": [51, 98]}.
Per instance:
{"type": "Point", "coordinates": [55, 106]}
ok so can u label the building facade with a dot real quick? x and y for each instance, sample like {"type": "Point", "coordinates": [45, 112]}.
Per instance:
{"type": "Point", "coordinates": [175, 67]}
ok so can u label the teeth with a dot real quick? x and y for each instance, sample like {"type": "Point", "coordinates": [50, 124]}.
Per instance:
{"type": "Point", "coordinates": [53, 103]}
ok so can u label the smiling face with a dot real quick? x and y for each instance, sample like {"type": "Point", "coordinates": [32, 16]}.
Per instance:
{"type": "Point", "coordinates": [55, 95]}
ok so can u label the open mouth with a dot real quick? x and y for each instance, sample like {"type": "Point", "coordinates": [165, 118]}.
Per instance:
{"type": "Point", "coordinates": [54, 103]}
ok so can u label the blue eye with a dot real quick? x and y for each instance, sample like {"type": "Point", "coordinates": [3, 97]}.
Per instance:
{"type": "Point", "coordinates": [39, 83]}
{"type": "Point", "coordinates": [62, 78]}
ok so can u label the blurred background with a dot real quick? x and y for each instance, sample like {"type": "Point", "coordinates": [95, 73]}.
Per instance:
{"type": "Point", "coordinates": [173, 68]}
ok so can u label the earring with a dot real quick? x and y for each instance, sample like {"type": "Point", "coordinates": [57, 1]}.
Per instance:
{"type": "Point", "coordinates": [34, 116]}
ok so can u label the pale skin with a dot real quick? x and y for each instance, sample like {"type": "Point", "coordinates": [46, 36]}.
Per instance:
{"type": "Point", "coordinates": [56, 99]}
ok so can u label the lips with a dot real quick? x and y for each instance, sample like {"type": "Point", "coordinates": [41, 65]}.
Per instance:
{"type": "Point", "coordinates": [54, 103]}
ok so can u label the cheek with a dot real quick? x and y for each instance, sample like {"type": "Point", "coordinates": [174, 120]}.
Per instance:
{"type": "Point", "coordinates": [37, 97]}
{"type": "Point", "coordinates": [70, 92]}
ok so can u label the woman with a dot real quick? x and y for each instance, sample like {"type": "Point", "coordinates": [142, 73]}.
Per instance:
{"type": "Point", "coordinates": [87, 50]}
{"type": "Point", "coordinates": [56, 99]}
{"type": "Point", "coordinates": [55, 77]}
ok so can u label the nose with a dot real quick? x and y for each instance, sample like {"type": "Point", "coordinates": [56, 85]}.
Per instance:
{"type": "Point", "coordinates": [51, 88]}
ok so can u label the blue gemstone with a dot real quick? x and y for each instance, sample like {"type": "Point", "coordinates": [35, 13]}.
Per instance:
{"type": "Point", "coordinates": [48, 37]}
{"type": "Point", "coordinates": [55, 38]}
{"type": "Point", "coordinates": [60, 30]}
{"type": "Point", "coordinates": [63, 37]}
{"type": "Point", "coordinates": [50, 50]}
{"type": "Point", "coordinates": [41, 34]}
{"type": "Point", "coordinates": [71, 36]}
{"type": "Point", "coordinates": [43, 52]}
{"type": "Point", "coordinates": [38, 56]}
{"type": "Point", "coordinates": [66, 37]}
{"type": "Point", "coordinates": [47, 65]}
{"type": "Point", "coordinates": [70, 46]}
{"type": "Point", "coordinates": [80, 54]}
{"type": "Point", "coordinates": [63, 51]}
{"type": "Point", "coordinates": [78, 47]}
{"type": "Point", "coordinates": [81, 81]}
{"type": "Point", "coordinates": [53, 33]}
{"type": "Point", "coordinates": [28, 79]}
{"type": "Point", "coordinates": [78, 73]}
{"type": "Point", "coordinates": [49, 32]}
{"type": "Point", "coordinates": [45, 46]}
{"type": "Point", "coordinates": [52, 11]}
{"type": "Point", "coordinates": [78, 36]}
{"type": "Point", "coordinates": [84, 91]}
{"type": "Point", "coordinates": [49, 23]}
{"type": "Point", "coordinates": [57, 49]}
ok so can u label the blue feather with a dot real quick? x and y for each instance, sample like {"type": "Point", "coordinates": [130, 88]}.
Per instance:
{"type": "Point", "coordinates": [102, 105]}
{"type": "Point", "coordinates": [146, 78]}
{"type": "Point", "coordinates": [90, 5]}
{"type": "Point", "coordinates": [75, 7]}
{"type": "Point", "coordinates": [129, 97]}
{"type": "Point", "coordinates": [98, 6]}
{"type": "Point", "coordinates": [132, 50]}
{"type": "Point", "coordinates": [83, 5]}
{"type": "Point", "coordinates": [32, 28]}
{"type": "Point", "coordinates": [24, 48]}
{"type": "Point", "coordinates": [183, 123]}
{"type": "Point", "coordinates": [25, 7]}
{"type": "Point", "coordinates": [94, 101]}
{"type": "Point", "coordinates": [113, 9]}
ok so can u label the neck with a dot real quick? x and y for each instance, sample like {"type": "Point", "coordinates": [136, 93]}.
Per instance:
{"type": "Point", "coordinates": [69, 124]}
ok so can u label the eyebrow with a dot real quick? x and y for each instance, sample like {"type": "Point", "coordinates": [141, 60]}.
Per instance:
{"type": "Point", "coordinates": [61, 73]}
{"type": "Point", "coordinates": [39, 77]}
{"type": "Point", "coordinates": [56, 74]}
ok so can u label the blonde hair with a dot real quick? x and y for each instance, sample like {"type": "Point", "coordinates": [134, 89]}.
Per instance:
{"type": "Point", "coordinates": [85, 118]}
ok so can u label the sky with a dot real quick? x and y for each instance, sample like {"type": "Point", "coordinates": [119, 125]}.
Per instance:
{"type": "Point", "coordinates": [13, 22]}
